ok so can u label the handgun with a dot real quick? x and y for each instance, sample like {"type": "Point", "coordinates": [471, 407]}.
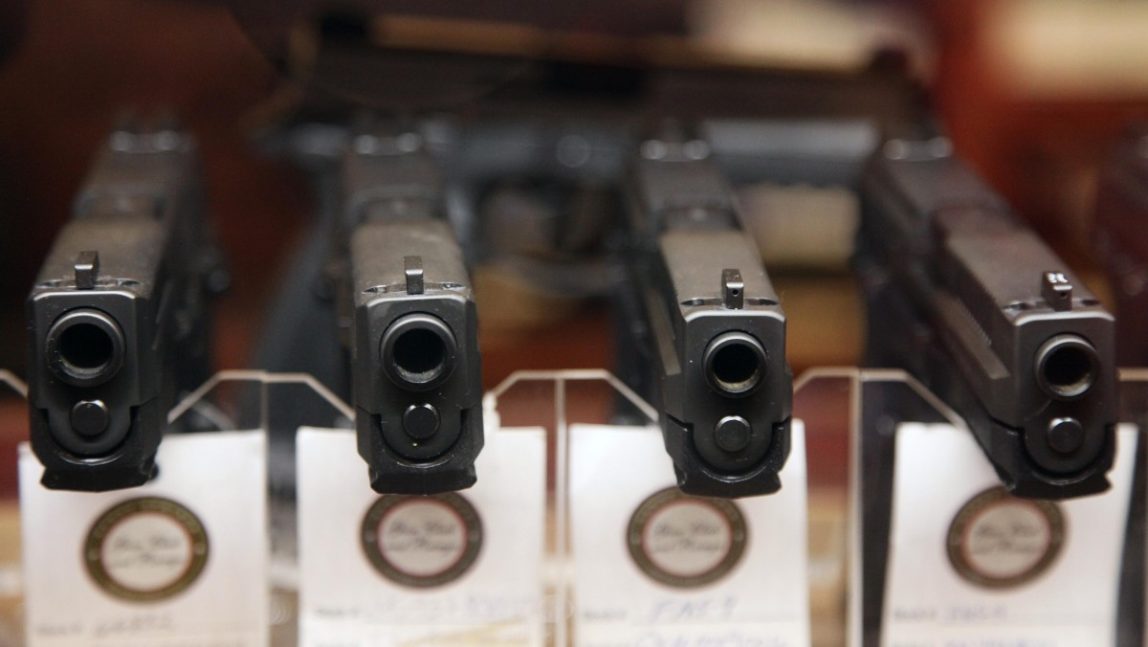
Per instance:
{"type": "Point", "coordinates": [968, 300]}
{"type": "Point", "coordinates": [712, 323]}
{"type": "Point", "coordinates": [118, 318]}
{"type": "Point", "coordinates": [413, 327]}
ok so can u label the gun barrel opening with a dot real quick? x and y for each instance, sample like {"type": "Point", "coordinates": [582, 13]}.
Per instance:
{"type": "Point", "coordinates": [1066, 366]}
{"type": "Point", "coordinates": [734, 363]}
{"type": "Point", "coordinates": [85, 347]}
{"type": "Point", "coordinates": [418, 351]}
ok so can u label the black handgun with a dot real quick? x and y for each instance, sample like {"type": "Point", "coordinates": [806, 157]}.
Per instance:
{"type": "Point", "coordinates": [416, 369]}
{"type": "Point", "coordinates": [712, 323]}
{"type": "Point", "coordinates": [118, 319]}
{"type": "Point", "coordinates": [976, 307]}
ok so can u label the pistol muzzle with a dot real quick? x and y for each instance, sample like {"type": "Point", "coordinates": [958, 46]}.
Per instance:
{"type": "Point", "coordinates": [1066, 367]}
{"type": "Point", "coordinates": [734, 363]}
{"type": "Point", "coordinates": [84, 347]}
{"type": "Point", "coordinates": [418, 352]}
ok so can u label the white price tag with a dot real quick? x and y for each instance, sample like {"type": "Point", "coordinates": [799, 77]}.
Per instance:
{"type": "Point", "coordinates": [654, 567]}
{"type": "Point", "coordinates": [181, 561]}
{"type": "Point", "coordinates": [970, 565]}
{"type": "Point", "coordinates": [462, 568]}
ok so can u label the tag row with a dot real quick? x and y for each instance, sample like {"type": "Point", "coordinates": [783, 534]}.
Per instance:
{"type": "Point", "coordinates": [184, 560]}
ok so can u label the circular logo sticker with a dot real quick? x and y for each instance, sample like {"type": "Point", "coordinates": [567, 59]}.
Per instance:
{"type": "Point", "coordinates": [685, 541]}
{"type": "Point", "coordinates": [146, 549]}
{"type": "Point", "coordinates": [1000, 541]}
{"type": "Point", "coordinates": [422, 541]}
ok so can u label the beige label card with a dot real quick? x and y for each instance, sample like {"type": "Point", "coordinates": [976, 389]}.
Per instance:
{"type": "Point", "coordinates": [457, 568]}
{"type": "Point", "coordinates": [181, 561]}
{"type": "Point", "coordinates": [653, 566]}
{"type": "Point", "coordinates": [971, 565]}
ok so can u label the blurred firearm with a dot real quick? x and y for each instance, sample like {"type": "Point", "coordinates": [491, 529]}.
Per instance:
{"type": "Point", "coordinates": [711, 322]}
{"type": "Point", "coordinates": [1121, 240]}
{"type": "Point", "coordinates": [413, 328]}
{"type": "Point", "coordinates": [976, 307]}
{"type": "Point", "coordinates": [118, 317]}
